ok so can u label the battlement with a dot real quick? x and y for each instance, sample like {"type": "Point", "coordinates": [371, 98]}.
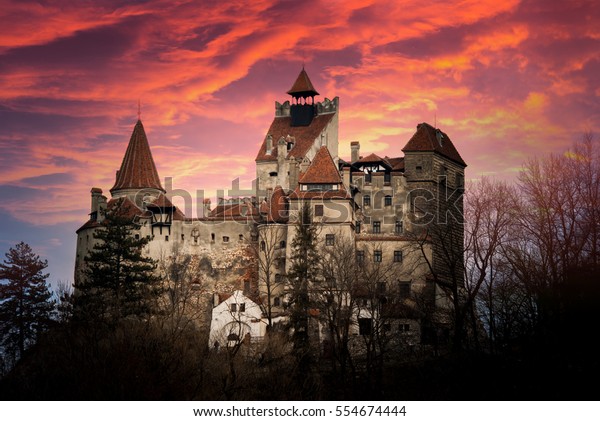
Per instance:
{"type": "Point", "coordinates": [327, 106]}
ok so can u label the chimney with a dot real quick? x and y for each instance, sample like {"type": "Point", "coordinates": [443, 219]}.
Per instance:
{"type": "Point", "coordinates": [354, 151]}
{"type": "Point", "coordinates": [101, 208]}
{"type": "Point", "coordinates": [294, 169]}
{"type": "Point", "coordinates": [281, 149]}
{"type": "Point", "coordinates": [96, 194]}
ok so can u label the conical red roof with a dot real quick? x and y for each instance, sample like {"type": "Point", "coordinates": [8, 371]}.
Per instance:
{"type": "Point", "coordinates": [303, 87]}
{"type": "Point", "coordinates": [322, 170]}
{"type": "Point", "coordinates": [137, 169]}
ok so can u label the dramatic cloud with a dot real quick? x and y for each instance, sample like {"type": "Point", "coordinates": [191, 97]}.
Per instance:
{"type": "Point", "coordinates": [505, 79]}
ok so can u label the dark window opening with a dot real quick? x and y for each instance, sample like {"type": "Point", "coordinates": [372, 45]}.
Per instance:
{"type": "Point", "coordinates": [242, 307]}
{"type": "Point", "coordinates": [376, 227]}
{"type": "Point", "coordinates": [357, 227]}
{"type": "Point", "coordinates": [388, 201]}
{"type": "Point", "coordinates": [282, 244]}
{"type": "Point", "coordinates": [277, 301]}
{"type": "Point", "coordinates": [387, 177]}
{"type": "Point", "coordinates": [225, 239]}
{"type": "Point", "coordinates": [398, 256]}
{"type": "Point", "coordinates": [182, 237]}
{"type": "Point", "coordinates": [360, 256]}
{"type": "Point", "coordinates": [329, 239]}
{"type": "Point", "coordinates": [166, 238]}
{"type": "Point", "coordinates": [368, 177]}
{"type": "Point", "coordinates": [365, 326]}
{"type": "Point", "coordinates": [273, 174]}
{"type": "Point", "coordinates": [263, 246]}
{"type": "Point", "coordinates": [318, 210]}
{"type": "Point", "coordinates": [404, 290]}
{"type": "Point", "coordinates": [366, 200]}
{"type": "Point", "coordinates": [399, 228]}
{"type": "Point", "coordinates": [233, 307]}
{"type": "Point", "coordinates": [377, 256]}
{"type": "Point", "coordinates": [246, 287]}
{"type": "Point", "coordinates": [233, 337]}
{"type": "Point", "coordinates": [212, 236]}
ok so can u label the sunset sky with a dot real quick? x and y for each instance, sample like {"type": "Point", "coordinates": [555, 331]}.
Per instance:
{"type": "Point", "coordinates": [506, 80]}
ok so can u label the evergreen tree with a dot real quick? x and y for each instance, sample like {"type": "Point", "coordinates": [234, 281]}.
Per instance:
{"type": "Point", "coordinates": [118, 280]}
{"type": "Point", "coordinates": [26, 304]}
{"type": "Point", "coordinates": [303, 270]}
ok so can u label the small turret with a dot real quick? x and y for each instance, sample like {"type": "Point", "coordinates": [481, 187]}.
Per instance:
{"type": "Point", "coordinates": [302, 112]}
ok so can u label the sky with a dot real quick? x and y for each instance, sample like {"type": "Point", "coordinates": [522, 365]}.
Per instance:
{"type": "Point", "coordinates": [506, 80]}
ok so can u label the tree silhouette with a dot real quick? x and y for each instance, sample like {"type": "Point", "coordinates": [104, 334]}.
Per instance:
{"type": "Point", "coordinates": [26, 304]}
{"type": "Point", "coordinates": [118, 280]}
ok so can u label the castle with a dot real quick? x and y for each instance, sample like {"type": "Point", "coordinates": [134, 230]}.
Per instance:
{"type": "Point", "coordinates": [369, 204]}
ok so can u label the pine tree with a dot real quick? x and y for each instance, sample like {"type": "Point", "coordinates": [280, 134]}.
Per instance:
{"type": "Point", "coordinates": [118, 280]}
{"type": "Point", "coordinates": [303, 270]}
{"type": "Point", "coordinates": [26, 304]}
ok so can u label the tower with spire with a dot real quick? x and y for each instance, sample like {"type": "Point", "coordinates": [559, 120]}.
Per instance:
{"type": "Point", "coordinates": [298, 131]}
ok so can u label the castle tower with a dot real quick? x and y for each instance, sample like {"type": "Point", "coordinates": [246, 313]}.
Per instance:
{"type": "Point", "coordinates": [435, 174]}
{"type": "Point", "coordinates": [297, 132]}
{"type": "Point", "coordinates": [302, 111]}
{"type": "Point", "coordinates": [137, 176]}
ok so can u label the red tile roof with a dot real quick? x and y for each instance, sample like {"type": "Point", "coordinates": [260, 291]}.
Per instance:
{"type": "Point", "coordinates": [370, 159]}
{"type": "Point", "coordinates": [322, 169]}
{"type": "Point", "coordinates": [425, 140]}
{"type": "Point", "coordinates": [396, 163]}
{"type": "Point", "coordinates": [305, 136]}
{"type": "Point", "coordinates": [303, 86]}
{"type": "Point", "coordinates": [277, 209]}
{"type": "Point", "coordinates": [137, 169]}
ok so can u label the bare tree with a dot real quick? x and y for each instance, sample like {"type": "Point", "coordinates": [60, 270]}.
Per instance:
{"type": "Point", "coordinates": [269, 254]}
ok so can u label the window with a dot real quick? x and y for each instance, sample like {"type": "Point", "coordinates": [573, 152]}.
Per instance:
{"type": "Point", "coordinates": [212, 237]}
{"type": "Point", "coordinates": [365, 326]}
{"type": "Point", "coordinates": [399, 228]}
{"type": "Point", "coordinates": [225, 239]}
{"type": "Point", "coordinates": [387, 177]}
{"type": "Point", "coordinates": [233, 307]}
{"type": "Point", "coordinates": [357, 227]}
{"type": "Point", "coordinates": [329, 239]}
{"type": "Point", "coordinates": [377, 256]}
{"type": "Point", "coordinates": [241, 237]}
{"type": "Point", "coordinates": [263, 246]}
{"type": "Point", "coordinates": [277, 301]}
{"type": "Point", "coordinates": [282, 244]}
{"type": "Point", "coordinates": [246, 287]}
{"type": "Point", "coordinates": [398, 256]}
{"type": "Point", "coordinates": [233, 337]}
{"type": "Point", "coordinates": [166, 238]}
{"type": "Point", "coordinates": [368, 177]}
{"type": "Point", "coordinates": [388, 201]}
{"type": "Point", "coordinates": [381, 287]}
{"type": "Point", "coordinates": [404, 327]}
{"type": "Point", "coordinates": [242, 307]}
{"type": "Point", "coordinates": [366, 200]}
{"type": "Point", "coordinates": [273, 174]}
{"type": "Point", "coordinates": [419, 168]}
{"type": "Point", "coordinates": [404, 290]}
{"type": "Point", "coordinates": [376, 227]}
{"type": "Point", "coordinates": [182, 237]}
{"type": "Point", "coordinates": [137, 237]}
{"type": "Point", "coordinates": [318, 210]}
{"type": "Point", "coordinates": [360, 256]}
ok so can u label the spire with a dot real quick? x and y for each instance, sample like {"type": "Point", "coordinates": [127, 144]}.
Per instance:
{"type": "Point", "coordinates": [303, 87]}
{"type": "Point", "coordinates": [137, 169]}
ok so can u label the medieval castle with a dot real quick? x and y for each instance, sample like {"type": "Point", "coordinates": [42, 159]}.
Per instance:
{"type": "Point", "coordinates": [368, 204]}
